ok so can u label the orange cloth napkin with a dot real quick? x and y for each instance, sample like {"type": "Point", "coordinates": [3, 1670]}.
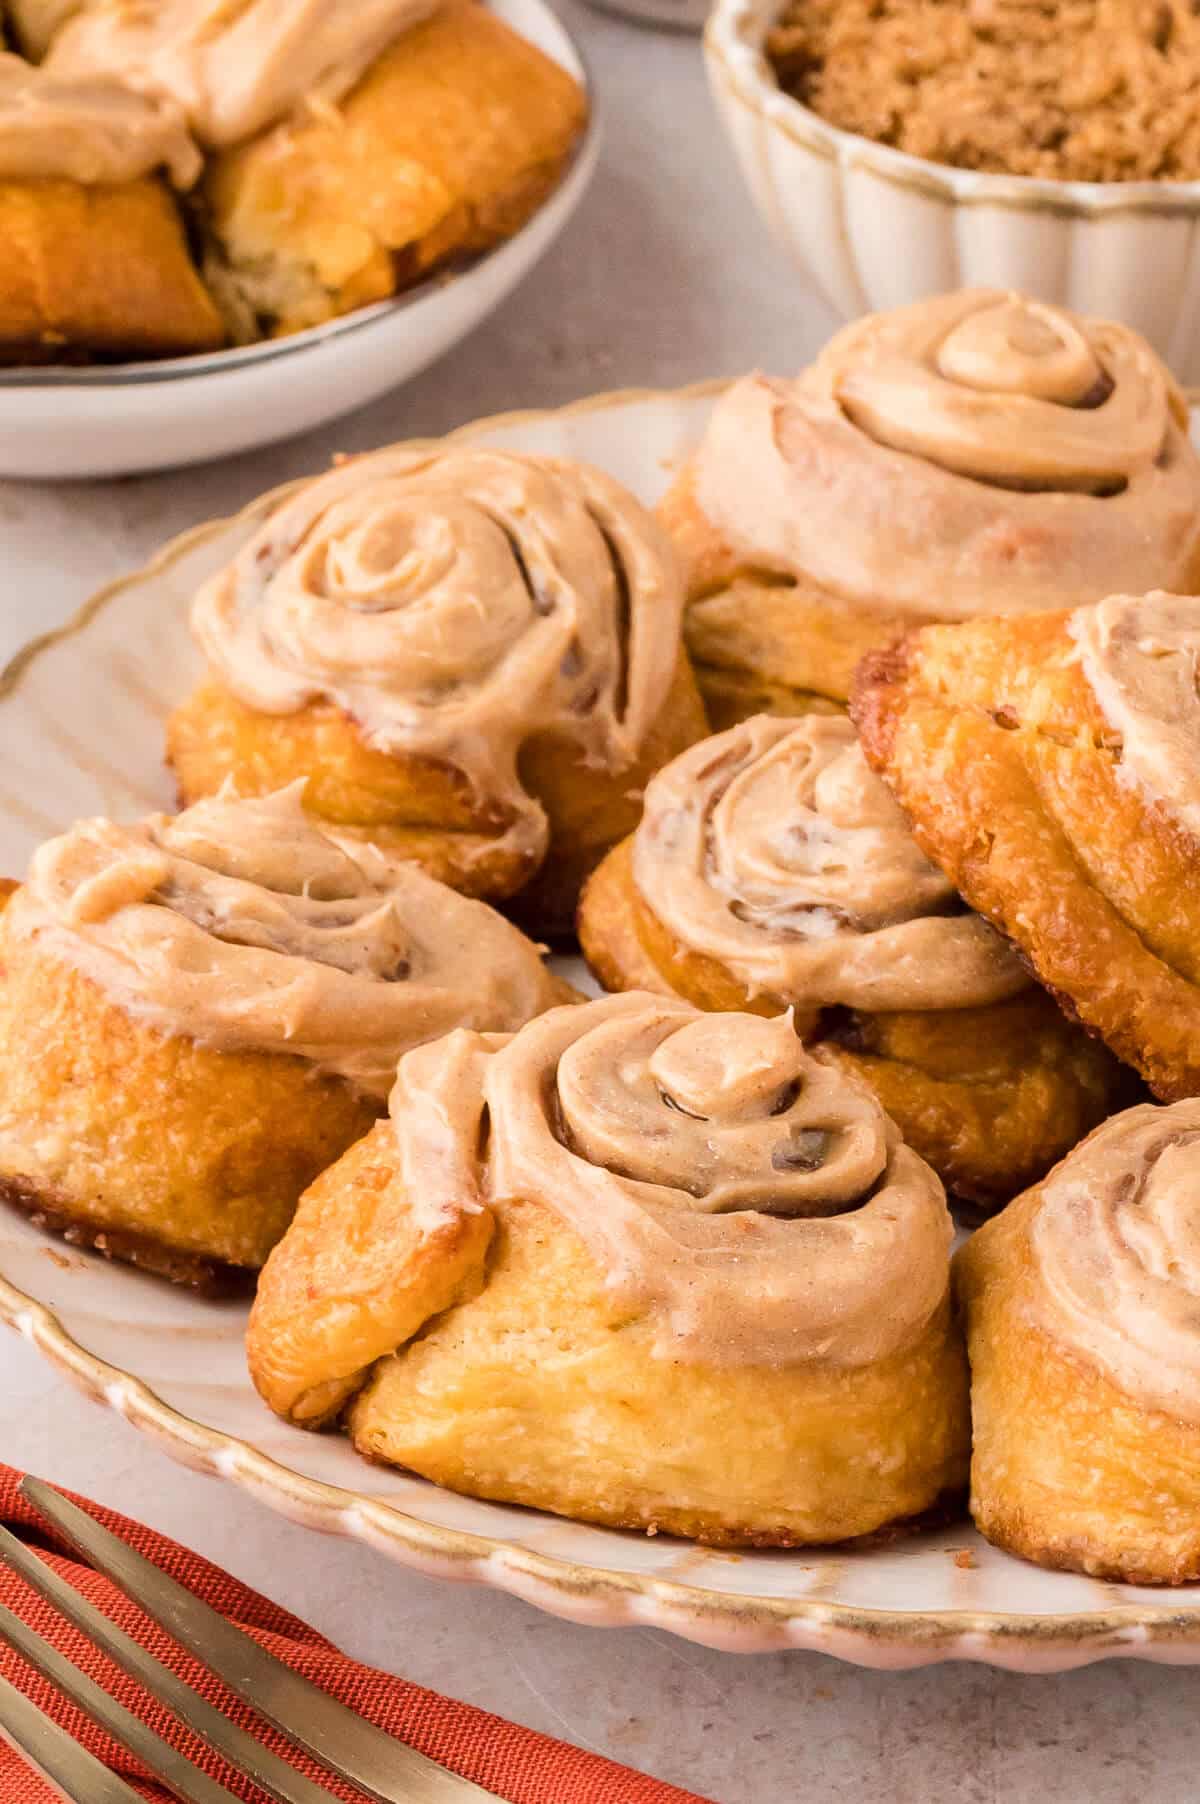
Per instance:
{"type": "Point", "coordinates": [518, 1764]}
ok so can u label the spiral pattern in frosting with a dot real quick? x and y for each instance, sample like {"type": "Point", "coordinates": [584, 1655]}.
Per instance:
{"type": "Point", "coordinates": [757, 1205]}
{"type": "Point", "coordinates": [241, 926]}
{"type": "Point", "coordinates": [1140, 655]}
{"type": "Point", "coordinates": [234, 66]}
{"type": "Point", "coordinates": [1116, 1247]}
{"type": "Point", "coordinates": [980, 453]}
{"type": "Point", "coordinates": [87, 129]}
{"type": "Point", "coordinates": [455, 602]}
{"type": "Point", "coordinates": [774, 849]}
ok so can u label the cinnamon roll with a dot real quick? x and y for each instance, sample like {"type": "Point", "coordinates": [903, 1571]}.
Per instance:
{"type": "Point", "coordinates": [772, 870]}
{"type": "Point", "coordinates": [472, 656]}
{"type": "Point", "coordinates": [978, 453]}
{"type": "Point", "coordinates": [199, 1014]}
{"type": "Point", "coordinates": [354, 147]}
{"type": "Point", "coordinates": [577, 1266]}
{"type": "Point", "coordinates": [1049, 766]}
{"type": "Point", "coordinates": [96, 259]}
{"type": "Point", "coordinates": [1083, 1309]}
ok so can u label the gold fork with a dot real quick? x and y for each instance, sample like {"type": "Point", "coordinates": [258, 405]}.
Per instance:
{"type": "Point", "coordinates": [381, 1766]}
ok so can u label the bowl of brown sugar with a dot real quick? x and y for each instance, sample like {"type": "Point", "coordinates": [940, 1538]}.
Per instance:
{"type": "Point", "coordinates": [898, 148]}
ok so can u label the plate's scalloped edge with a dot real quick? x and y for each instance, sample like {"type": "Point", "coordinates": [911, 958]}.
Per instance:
{"type": "Point", "coordinates": [582, 1594]}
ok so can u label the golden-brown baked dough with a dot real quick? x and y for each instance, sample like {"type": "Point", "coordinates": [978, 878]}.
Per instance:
{"type": "Point", "coordinates": [447, 146]}
{"type": "Point", "coordinates": [504, 748]}
{"type": "Point", "coordinates": [1081, 1311]}
{"type": "Point", "coordinates": [33, 23]}
{"type": "Point", "coordinates": [523, 1285]}
{"type": "Point", "coordinates": [197, 1016]}
{"type": "Point", "coordinates": [96, 260]}
{"type": "Point", "coordinates": [977, 453]}
{"type": "Point", "coordinates": [994, 741]}
{"type": "Point", "coordinates": [772, 870]}
{"type": "Point", "coordinates": [99, 271]}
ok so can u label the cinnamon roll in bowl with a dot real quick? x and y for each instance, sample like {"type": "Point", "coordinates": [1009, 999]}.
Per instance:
{"type": "Point", "coordinates": [979, 453]}
{"type": "Point", "coordinates": [1050, 766]}
{"type": "Point", "coordinates": [772, 870]}
{"type": "Point", "coordinates": [635, 1264]}
{"type": "Point", "coordinates": [96, 261]}
{"type": "Point", "coordinates": [1083, 1309]}
{"type": "Point", "coordinates": [198, 1014]}
{"type": "Point", "coordinates": [354, 144]}
{"type": "Point", "coordinates": [473, 657]}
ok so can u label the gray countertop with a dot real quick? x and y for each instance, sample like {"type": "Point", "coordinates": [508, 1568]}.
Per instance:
{"type": "Point", "coordinates": [664, 276]}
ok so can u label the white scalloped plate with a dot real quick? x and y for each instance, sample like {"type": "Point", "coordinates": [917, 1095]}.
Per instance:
{"type": "Point", "coordinates": [81, 717]}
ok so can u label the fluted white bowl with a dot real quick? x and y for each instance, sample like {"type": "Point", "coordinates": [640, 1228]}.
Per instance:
{"type": "Point", "coordinates": [875, 228]}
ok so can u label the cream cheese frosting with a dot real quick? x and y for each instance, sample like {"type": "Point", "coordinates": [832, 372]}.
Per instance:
{"type": "Point", "coordinates": [774, 849]}
{"type": "Point", "coordinates": [1140, 655]}
{"type": "Point", "coordinates": [1116, 1249]}
{"type": "Point", "coordinates": [233, 66]}
{"type": "Point", "coordinates": [87, 129]}
{"type": "Point", "coordinates": [975, 453]}
{"type": "Point", "coordinates": [242, 926]}
{"type": "Point", "coordinates": [454, 603]}
{"type": "Point", "coordinates": [755, 1205]}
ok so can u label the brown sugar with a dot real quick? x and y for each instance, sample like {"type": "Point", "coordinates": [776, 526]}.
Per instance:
{"type": "Point", "coordinates": [1080, 90]}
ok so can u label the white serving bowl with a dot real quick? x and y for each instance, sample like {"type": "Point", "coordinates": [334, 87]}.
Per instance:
{"type": "Point", "coordinates": [876, 228]}
{"type": "Point", "coordinates": [60, 423]}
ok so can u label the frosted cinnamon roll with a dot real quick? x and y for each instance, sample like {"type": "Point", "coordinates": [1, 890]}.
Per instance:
{"type": "Point", "coordinates": [472, 656]}
{"type": "Point", "coordinates": [978, 453]}
{"type": "Point", "coordinates": [199, 1014]}
{"type": "Point", "coordinates": [354, 147]}
{"type": "Point", "coordinates": [97, 262]}
{"type": "Point", "coordinates": [1048, 766]}
{"type": "Point", "coordinates": [773, 870]}
{"type": "Point", "coordinates": [1083, 1311]}
{"type": "Point", "coordinates": [651, 1234]}
{"type": "Point", "coordinates": [232, 69]}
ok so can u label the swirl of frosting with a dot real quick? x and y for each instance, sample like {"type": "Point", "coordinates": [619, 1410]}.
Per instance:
{"type": "Point", "coordinates": [774, 849]}
{"type": "Point", "coordinates": [756, 1205]}
{"type": "Point", "coordinates": [234, 66]}
{"type": "Point", "coordinates": [241, 926]}
{"type": "Point", "coordinates": [455, 602]}
{"type": "Point", "coordinates": [1116, 1248]}
{"type": "Point", "coordinates": [87, 129]}
{"type": "Point", "coordinates": [981, 453]}
{"type": "Point", "coordinates": [1140, 656]}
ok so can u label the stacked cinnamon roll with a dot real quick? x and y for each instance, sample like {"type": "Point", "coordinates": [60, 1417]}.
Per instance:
{"type": "Point", "coordinates": [979, 453]}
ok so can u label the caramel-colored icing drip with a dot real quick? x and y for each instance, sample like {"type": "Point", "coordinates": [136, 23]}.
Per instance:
{"type": "Point", "coordinates": [757, 1206]}
{"type": "Point", "coordinates": [975, 453]}
{"type": "Point", "coordinates": [455, 603]}
{"type": "Point", "coordinates": [1116, 1247]}
{"type": "Point", "coordinates": [243, 927]}
{"type": "Point", "coordinates": [1140, 655]}
{"type": "Point", "coordinates": [87, 128]}
{"type": "Point", "coordinates": [233, 66]}
{"type": "Point", "coordinates": [774, 849]}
